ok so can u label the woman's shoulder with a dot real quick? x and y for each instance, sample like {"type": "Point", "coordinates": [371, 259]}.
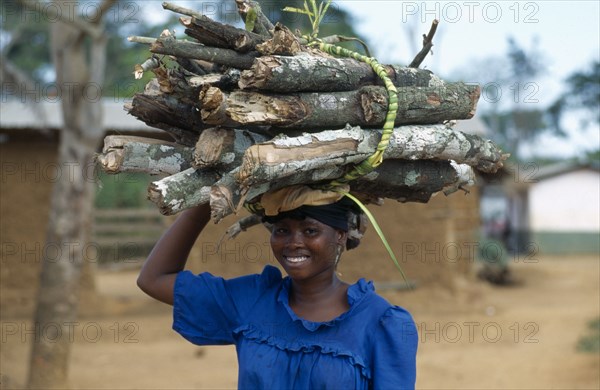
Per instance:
{"type": "Point", "coordinates": [378, 308]}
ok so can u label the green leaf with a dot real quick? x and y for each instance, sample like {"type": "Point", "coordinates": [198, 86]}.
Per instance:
{"type": "Point", "coordinates": [326, 7]}
{"type": "Point", "coordinates": [298, 10]}
{"type": "Point", "coordinates": [380, 234]}
{"type": "Point", "coordinates": [250, 20]}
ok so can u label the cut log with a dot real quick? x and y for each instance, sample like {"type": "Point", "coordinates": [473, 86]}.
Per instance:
{"type": "Point", "coordinates": [365, 107]}
{"type": "Point", "coordinates": [325, 74]}
{"type": "Point", "coordinates": [139, 154]}
{"type": "Point", "coordinates": [223, 149]}
{"type": "Point", "coordinates": [414, 181]}
{"type": "Point", "coordinates": [212, 33]}
{"type": "Point", "coordinates": [178, 119]}
{"type": "Point", "coordinates": [182, 190]}
{"type": "Point", "coordinates": [285, 156]}
{"type": "Point", "coordinates": [226, 153]}
{"type": "Point", "coordinates": [186, 49]}
{"type": "Point", "coordinates": [405, 181]}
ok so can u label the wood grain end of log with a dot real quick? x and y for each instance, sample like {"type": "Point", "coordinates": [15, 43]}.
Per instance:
{"type": "Point", "coordinates": [112, 155]}
{"type": "Point", "coordinates": [111, 161]}
{"type": "Point", "coordinates": [186, 21]}
{"type": "Point", "coordinates": [210, 146]}
{"type": "Point", "coordinates": [211, 97]}
{"type": "Point", "coordinates": [213, 110]}
{"type": "Point", "coordinates": [259, 74]}
{"type": "Point", "coordinates": [283, 42]}
{"type": "Point", "coordinates": [156, 195]}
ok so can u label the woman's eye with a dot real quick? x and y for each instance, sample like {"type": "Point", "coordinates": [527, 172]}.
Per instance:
{"type": "Point", "coordinates": [311, 231]}
{"type": "Point", "coordinates": [279, 230]}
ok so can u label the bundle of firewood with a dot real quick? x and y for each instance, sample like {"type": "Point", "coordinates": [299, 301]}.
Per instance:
{"type": "Point", "coordinates": [256, 109]}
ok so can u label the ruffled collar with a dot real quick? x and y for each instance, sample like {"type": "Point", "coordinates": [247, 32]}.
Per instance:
{"type": "Point", "coordinates": [356, 293]}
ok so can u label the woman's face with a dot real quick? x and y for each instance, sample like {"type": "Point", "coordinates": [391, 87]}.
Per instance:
{"type": "Point", "coordinates": [305, 248]}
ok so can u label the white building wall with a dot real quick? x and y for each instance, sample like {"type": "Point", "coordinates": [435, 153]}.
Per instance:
{"type": "Point", "coordinates": [566, 203]}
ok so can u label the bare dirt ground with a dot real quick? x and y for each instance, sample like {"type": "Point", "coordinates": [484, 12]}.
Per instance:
{"type": "Point", "coordinates": [478, 337]}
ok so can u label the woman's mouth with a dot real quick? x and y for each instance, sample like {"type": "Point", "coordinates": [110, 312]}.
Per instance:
{"type": "Point", "coordinates": [295, 259]}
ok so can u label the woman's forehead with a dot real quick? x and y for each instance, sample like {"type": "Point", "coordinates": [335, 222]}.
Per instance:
{"type": "Point", "coordinates": [306, 221]}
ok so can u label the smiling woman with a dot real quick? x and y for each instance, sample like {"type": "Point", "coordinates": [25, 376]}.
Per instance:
{"type": "Point", "coordinates": [306, 330]}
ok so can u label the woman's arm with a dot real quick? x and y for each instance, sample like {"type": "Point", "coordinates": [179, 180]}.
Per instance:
{"type": "Point", "coordinates": [157, 277]}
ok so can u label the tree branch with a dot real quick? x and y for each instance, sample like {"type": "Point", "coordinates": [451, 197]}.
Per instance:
{"type": "Point", "coordinates": [427, 45]}
{"type": "Point", "coordinates": [181, 10]}
{"type": "Point", "coordinates": [179, 48]}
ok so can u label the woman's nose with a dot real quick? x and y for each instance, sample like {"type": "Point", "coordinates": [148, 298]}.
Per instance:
{"type": "Point", "coordinates": [295, 239]}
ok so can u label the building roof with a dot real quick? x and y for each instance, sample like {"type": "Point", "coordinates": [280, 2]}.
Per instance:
{"type": "Point", "coordinates": [48, 115]}
{"type": "Point", "coordinates": [562, 167]}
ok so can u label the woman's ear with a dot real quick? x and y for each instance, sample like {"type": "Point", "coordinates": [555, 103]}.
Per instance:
{"type": "Point", "coordinates": [341, 238]}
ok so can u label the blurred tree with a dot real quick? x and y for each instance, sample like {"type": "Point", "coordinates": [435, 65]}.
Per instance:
{"type": "Point", "coordinates": [593, 156]}
{"type": "Point", "coordinates": [26, 57]}
{"type": "Point", "coordinates": [78, 52]}
{"type": "Point", "coordinates": [521, 120]}
{"type": "Point", "coordinates": [51, 42]}
{"type": "Point", "coordinates": [582, 95]}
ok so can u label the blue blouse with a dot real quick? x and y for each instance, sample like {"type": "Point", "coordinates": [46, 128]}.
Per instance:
{"type": "Point", "coordinates": [373, 345]}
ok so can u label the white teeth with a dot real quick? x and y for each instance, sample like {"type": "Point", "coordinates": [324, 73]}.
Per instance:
{"type": "Point", "coordinates": [297, 259]}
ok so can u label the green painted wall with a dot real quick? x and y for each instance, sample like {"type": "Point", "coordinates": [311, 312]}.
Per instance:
{"type": "Point", "coordinates": [567, 242]}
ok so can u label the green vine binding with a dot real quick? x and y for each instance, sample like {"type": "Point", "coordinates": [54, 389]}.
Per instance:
{"type": "Point", "coordinates": [372, 162]}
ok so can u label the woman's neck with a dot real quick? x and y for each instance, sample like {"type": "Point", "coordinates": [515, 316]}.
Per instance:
{"type": "Point", "coordinates": [319, 300]}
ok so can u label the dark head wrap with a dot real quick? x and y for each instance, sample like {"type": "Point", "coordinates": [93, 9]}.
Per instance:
{"type": "Point", "coordinates": [334, 214]}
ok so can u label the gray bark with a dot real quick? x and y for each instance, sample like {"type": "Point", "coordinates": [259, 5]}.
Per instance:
{"type": "Point", "coordinates": [186, 49]}
{"type": "Point", "coordinates": [139, 154]}
{"type": "Point", "coordinates": [182, 190]}
{"type": "Point", "coordinates": [405, 181]}
{"type": "Point", "coordinates": [285, 156]}
{"type": "Point", "coordinates": [365, 107]}
{"type": "Point", "coordinates": [324, 74]}
{"type": "Point", "coordinates": [211, 33]}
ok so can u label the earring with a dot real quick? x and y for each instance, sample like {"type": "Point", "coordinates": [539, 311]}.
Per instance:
{"type": "Point", "coordinates": [338, 253]}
